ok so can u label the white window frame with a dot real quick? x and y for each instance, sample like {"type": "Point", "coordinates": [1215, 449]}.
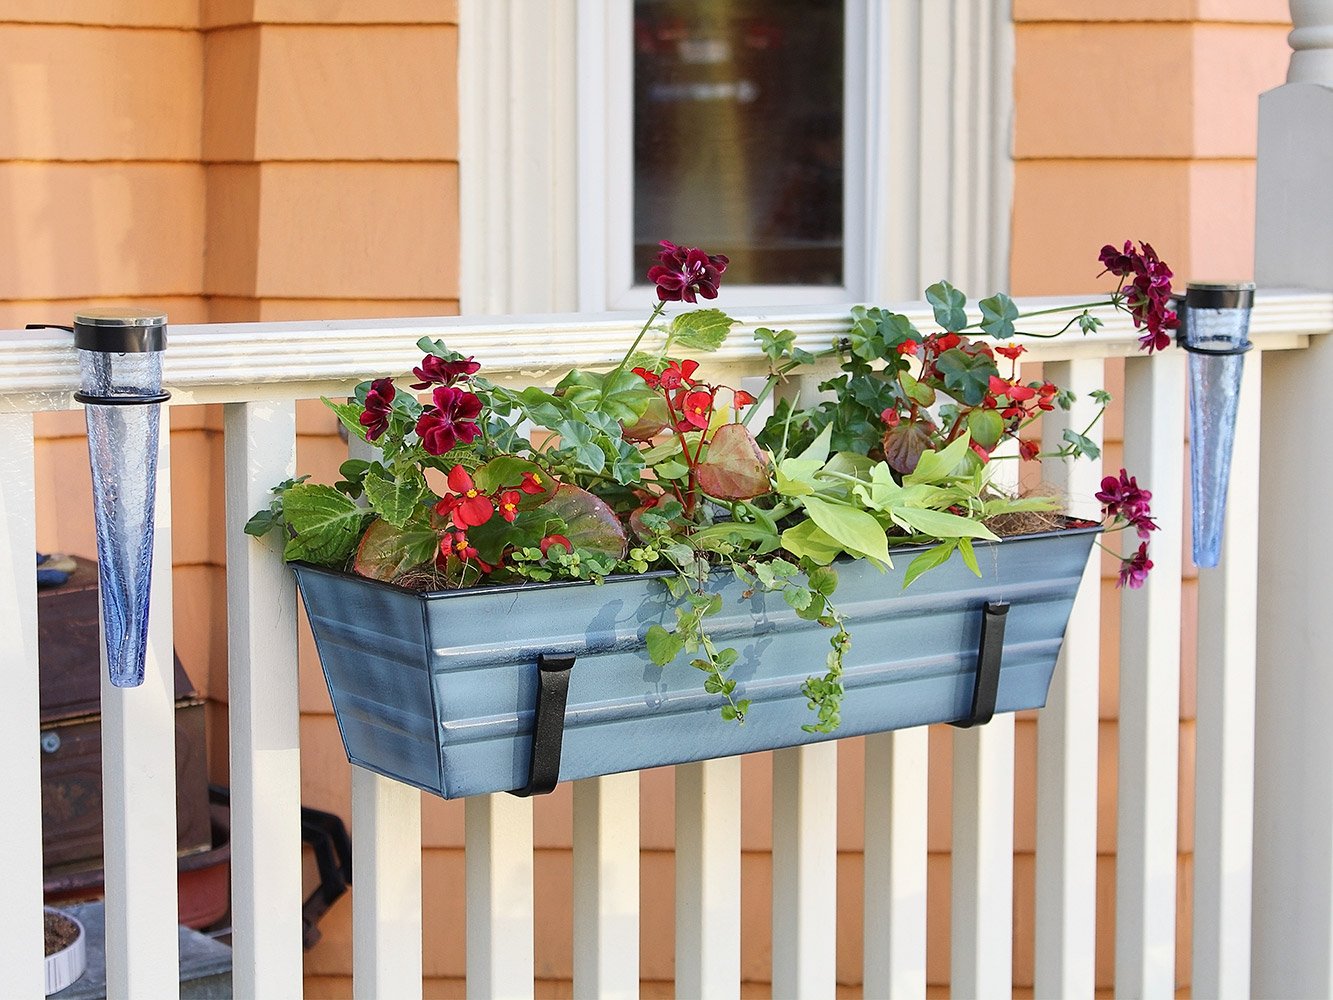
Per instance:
{"type": "Point", "coordinates": [545, 191]}
{"type": "Point", "coordinates": [606, 196]}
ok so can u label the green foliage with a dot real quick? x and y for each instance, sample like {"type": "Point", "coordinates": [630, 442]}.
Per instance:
{"type": "Point", "coordinates": [325, 525]}
{"type": "Point", "coordinates": [700, 329]}
{"type": "Point", "coordinates": [948, 303]}
{"type": "Point", "coordinates": [997, 316]}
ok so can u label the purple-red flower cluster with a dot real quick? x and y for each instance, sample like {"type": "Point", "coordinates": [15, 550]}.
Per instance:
{"type": "Point", "coordinates": [378, 406]}
{"type": "Point", "coordinates": [451, 419]}
{"type": "Point", "coordinates": [438, 371]}
{"type": "Point", "coordinates": [1149, 293]}
{"type": "Point", "coordinates": [1122, 499]}
{"type": "Point", "coordinates": [684, 272]}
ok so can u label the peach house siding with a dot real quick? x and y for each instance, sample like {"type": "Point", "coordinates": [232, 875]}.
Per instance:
{"type": "Point", "coordinates": [284, 159]}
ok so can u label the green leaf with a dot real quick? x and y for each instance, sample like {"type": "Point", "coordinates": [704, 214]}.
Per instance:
{"type": "Point", "coordinates": [969, 556]}
{"type": "Point", "coordinates": [262, 523]}
{"type": "Point", "coordinates": [776, 345]}
{"type": "Point", "coordinates": [394, 497]}
{"type": "Point", "coordinates": [855, 530]}
{"type": "Point", "coordinates": [864, 337]}
{"type": "Point", "coordinates": [589, 522]}
{"type": "Point", "coordinates": [386, 551]}
{"type": "Point", "coordinates": [948, 303]}
{"type": "Point", "coordinates": [540, 406]}
{"type": "Point", "coordinates": [823, 580]}
{"type": "Point", "coordinates": [1088, 323]}
{"type": "Point", "coordinates": [506, 472]}
{"type": "Point", "coordinates": [701, 329]}
{"type": "Point", "coordinates": [966, 376]}
{"type": "Point", "coordinates": [663, 646]}
{"type": "Point", "coordinates": [618, 396]}
{"type": "Point", "coordinates": [939, 523]}
{"type": "Point", "coordinates": [1083, 445]}
{"type": "Point", "coordinates": [807, 540]}
{"type": "Point", "coordinates": [798, 597]}
{"type": "Point", "coordinates": [584, 442]}
{"type": "Point", "coordinates": [928, 560]}
{"type": "Point", "coordinates": [986, 427]}
{"type": "Point", "coordinates": [327, 525]}
{"type": "Point", "coordinates": [922, 395]}
{"type": "Point", "coordinates": [349, 414]}
{"type": "Point", "coordinates": [818, 449]}
{"type": "Point", "coordinates": [997, 316]}
{"type": "Point", "coordinates": [937, 466]}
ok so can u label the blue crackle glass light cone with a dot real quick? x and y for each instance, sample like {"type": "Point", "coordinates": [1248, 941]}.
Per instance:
{"type": "Point", "coordinates": [122, 448]}
{"type": "Point", "coordinates": [1216, 333]}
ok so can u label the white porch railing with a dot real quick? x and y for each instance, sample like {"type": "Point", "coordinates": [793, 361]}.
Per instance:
{"type": "Point", "coordinates": [259, 370]}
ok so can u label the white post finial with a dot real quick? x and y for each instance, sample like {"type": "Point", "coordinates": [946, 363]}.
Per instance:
{"type": "Point", "coordinates": [1311, 41]}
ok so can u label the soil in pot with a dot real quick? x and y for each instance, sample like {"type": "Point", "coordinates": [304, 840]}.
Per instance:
{"type": "Point", "coordinates": [61, 932]}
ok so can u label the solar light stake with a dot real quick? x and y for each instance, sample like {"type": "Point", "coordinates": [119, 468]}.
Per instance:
{"type": "Point", "coordinates": [1214, 328]}
{"type": "Point", "coordinates": [120, 360]}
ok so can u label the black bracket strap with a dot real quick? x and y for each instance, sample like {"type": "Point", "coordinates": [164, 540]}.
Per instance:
{"type": "Point", "coordinates": [548, 725]}
{"type": "Point", "coordinates": [990, 648]}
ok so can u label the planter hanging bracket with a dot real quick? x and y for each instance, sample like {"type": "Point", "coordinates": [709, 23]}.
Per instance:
{"type": "Point", "coordinates": [548, 725]}
{"type": "Point", "coordinates": [989, 652]}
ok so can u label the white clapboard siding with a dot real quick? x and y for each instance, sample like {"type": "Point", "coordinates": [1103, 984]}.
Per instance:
{"type": "Point", "coordinates": [386, 891]}
{"type": "Point", "coordinates": [1224, 730]}
{"type": "Point", "coordinates": [139, 790]}
{"type": "Point", "coordinates": [606, 887]}
{"type": "Point", "coordinates": [264, 711]}
{"type": "Point", "coordinates": [20, 778]}
{"type": "Point", "coordinates": [1066, 872]}
{"type": "Point", "coordinates": [896, 786]}
{"type": "Point", "coordinates": [498, 853]}
{"type": "Point", "coordinates": [805, 866]}
{"type": "Point", "coordinates": [1145, 961]}
{"type": "Point", "coordinates": [708, 879]}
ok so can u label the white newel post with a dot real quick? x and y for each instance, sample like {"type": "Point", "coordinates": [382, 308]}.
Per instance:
{"type": "Point", "coordinates": [1293, 874]}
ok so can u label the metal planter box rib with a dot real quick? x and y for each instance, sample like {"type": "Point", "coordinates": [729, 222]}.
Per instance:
{"type": "Point", "coordinates": [438, 689]}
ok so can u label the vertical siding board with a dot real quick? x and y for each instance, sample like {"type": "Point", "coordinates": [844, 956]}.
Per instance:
{"type": "Point", "coordinates": [1066, 874]}
{"type": "Point", "coordinates": [139, 790]}
{"type": "Point", "coordinates": [264, 713]}
{"type": "Point", "coordinates": [20, 777]}
{"type": "Point", "coordinates": [1150, 689]}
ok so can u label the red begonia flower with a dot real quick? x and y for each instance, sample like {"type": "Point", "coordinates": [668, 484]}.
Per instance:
{"type": "Point", "coordinates": [474, 508]}
{"type": "Point", "coordinates": [678, 373]}
{"type": "Point", "coordinates": [696, 407]}
{"type": "Point", "coordinates": [1011, 352]}
{"type": "Point", "coordinates": [741, 398]}
{"type": "Point", "coordinates": [532, 483]}
{"type": "Point", "coordinates": [508, 505]}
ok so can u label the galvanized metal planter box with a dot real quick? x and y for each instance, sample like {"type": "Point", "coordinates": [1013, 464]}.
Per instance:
{"type": "Point", "coordinates": [439, 689]}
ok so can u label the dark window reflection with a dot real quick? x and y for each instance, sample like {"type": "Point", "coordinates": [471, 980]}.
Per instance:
{"type": "Point", "coordinates": [738, 135]}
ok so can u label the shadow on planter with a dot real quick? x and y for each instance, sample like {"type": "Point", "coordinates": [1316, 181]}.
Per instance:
{"type": "Point", "coordinates": [439, 689]}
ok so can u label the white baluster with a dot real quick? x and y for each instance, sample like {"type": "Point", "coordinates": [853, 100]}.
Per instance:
{"type": "Point", "coordinates": [895, 863]}
{"type": "Point", "coordinates": [20, 777]}
{"type": "Point", "coordinates": [1150, 687]}
{"type": "Point", "coordinates": [1224, 731]}
{"type": "Point", "coordinates": [981, 942]}
{"type": "Point", "coordinates": [1311, 40]}
{"type": "Point", "coordinates": [386, 890]}
{"type": "Point", "coordinates": [1065, 936]}
{"type": "Point", "coordinates": [708, 879]}
{"type": "Point", "coordinates": [498, 850]}
{"type": "Point", "coordinates": [805, 865]}
{"type": "Point", "coordinates": [606, 886]}
{"type": "Point", "coordinates": [139, 790]}
{"type": "Point", "coordinates": [264, 711]}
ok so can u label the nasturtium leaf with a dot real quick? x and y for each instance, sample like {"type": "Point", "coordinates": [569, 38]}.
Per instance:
{"type": "Point", "coordinates": [986, 427]}
{"type": "Point", "coordinates": [326, 523]}
{"type": "Point", "coordinates": [966, 376]}
{"type": "Point", "coordinates": [735, 468]}
{"type": "Point", "coordinates": [928, 560]}
{"type": "Point", "coordinates": [854, 529]}
{"type": "Point", "coordinates": [588, 522]}
{"type": "Point", "coordinates": [701, 329]}
{"type": "Point", "coordinates": [904, 445]}
{"type": "Point", "coordinates": [997, 316]}
{"type": "Point", "coordinates": [948, 303]}
{"type": "Point", "coordinates": [394, 497]}
{"type": "Point", "coordinates": [387, 551]}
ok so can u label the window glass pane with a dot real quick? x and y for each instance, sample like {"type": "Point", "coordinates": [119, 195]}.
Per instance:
{"type": "Point", "coordinates": [738, 135]}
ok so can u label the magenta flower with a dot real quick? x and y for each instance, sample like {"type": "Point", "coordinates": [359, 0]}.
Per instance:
{"type": "Point", "coordinates": [1134, 570]}
{"type": "Point", "coordinates": [1148, 296]}
{"type": "Point", "coordinates": [437, 371]}
{"type": "Point", "coordinates": [1122, 498]}
{"type": "Point", "coordinates": [683, 272]}
{"type": "Point", "coordinates": [452, 419]}
{"type": "Point", "coordinates": [378, 407]}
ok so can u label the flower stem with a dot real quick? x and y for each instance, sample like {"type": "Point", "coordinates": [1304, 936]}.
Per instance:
{"type": "Point", "coordinates": [657, 311]}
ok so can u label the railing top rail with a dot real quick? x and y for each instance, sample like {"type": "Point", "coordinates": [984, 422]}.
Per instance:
{"type": "Point", "coordinates": [227, 362]}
